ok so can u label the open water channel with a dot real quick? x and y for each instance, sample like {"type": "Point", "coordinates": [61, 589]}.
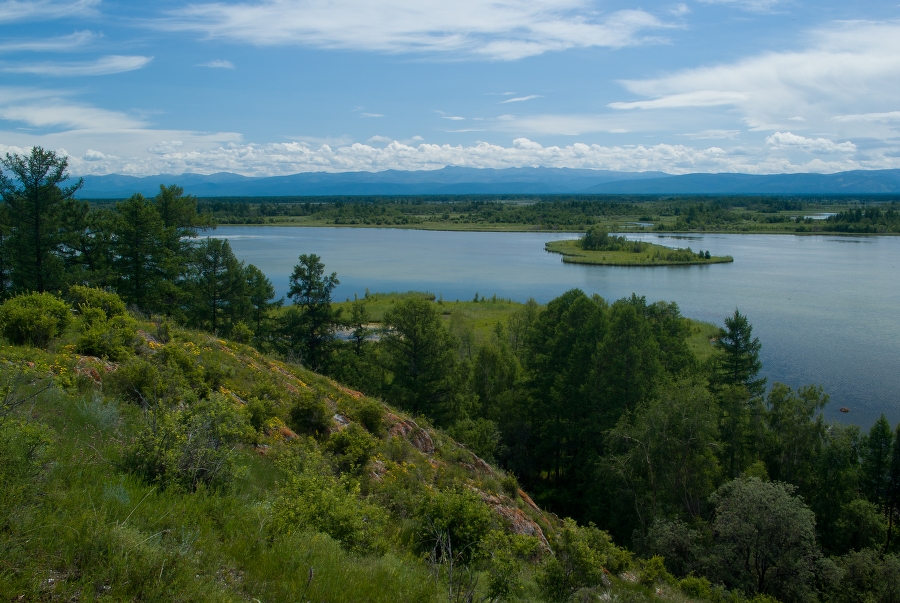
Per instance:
{"type": "Point", "coordinates": [826, 308]}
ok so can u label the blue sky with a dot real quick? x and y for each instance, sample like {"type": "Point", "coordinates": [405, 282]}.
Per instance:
{"type": "Point", "coordinates": [269, 87]}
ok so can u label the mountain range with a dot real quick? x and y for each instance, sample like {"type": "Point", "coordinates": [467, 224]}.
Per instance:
{"type": "Point", "coordinates": [457, 180]}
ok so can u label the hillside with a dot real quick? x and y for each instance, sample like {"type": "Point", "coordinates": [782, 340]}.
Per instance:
{"type": "Point", "coordinates": [186, 467]}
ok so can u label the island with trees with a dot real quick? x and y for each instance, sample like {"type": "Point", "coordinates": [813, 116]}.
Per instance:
{"type": "Point", "coordinates": [170, 431]}
{"type": "Point", "coordinates": [600, 248]}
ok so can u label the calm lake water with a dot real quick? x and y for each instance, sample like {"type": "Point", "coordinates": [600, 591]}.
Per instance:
{"type": "Point", "coordinates": [826, 309]}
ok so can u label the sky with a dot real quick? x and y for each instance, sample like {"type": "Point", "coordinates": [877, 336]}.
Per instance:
{"type": "Point", "coordinates": [275, 87]}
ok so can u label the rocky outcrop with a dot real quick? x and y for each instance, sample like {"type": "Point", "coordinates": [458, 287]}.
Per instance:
{"type": "Point", "coordinates": [409, 431]}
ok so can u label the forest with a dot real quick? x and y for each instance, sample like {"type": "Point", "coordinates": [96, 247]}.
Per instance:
{"type": "Point", "coordinates": [715, 484]}
{"type": "Point", "coordinates": [765, 214]}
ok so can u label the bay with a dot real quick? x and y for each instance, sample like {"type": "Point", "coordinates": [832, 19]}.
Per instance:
{"type": "Point", "coordinates": [825, 308]}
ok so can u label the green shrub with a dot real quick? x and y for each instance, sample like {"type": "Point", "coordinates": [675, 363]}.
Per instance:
{"type": "Point", "coordinates": [187, 447]}
{"type": "Point", "coordinates": [694, 586]}
{"type": "Point", "coordinates": [91, 297]}
{"type": "Point", "coordinates": [310, 415]}
{"type": "Point", "coordinates": [138, 380]}
{"type": "Point", "coordinates": [581, 553]}
{"type": "Point", "coordinates": [351, 447]}
{"type": "Point", "coordinates": [110, 338]}
{"type": "Point", "coordinates": [314, 499]}
{"type": "Point", "coordinates": [34, 318]}
{"type": "Point", "coordinates": [370, 413]}
{"type": "Point", "coordinates": [654, 571]}
{"type": "Point", "coordinates": [241, 333]}
{"type": "Point", "coordinates": [456, 517]}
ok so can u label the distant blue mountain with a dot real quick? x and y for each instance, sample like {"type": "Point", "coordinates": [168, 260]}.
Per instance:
{"type": "Point", "coordinates": [455, 180]}
{"type": "Point", "coordinates": [446, 181]}
{"type": "Point", "coordinates": [850, 183]}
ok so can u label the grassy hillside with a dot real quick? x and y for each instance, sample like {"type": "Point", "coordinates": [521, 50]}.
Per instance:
{"type": "Point", "coordinates": [184, 467]}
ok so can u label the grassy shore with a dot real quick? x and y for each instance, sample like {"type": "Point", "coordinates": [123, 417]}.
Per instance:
{"type": "Point", "coordinates": [649, 254]}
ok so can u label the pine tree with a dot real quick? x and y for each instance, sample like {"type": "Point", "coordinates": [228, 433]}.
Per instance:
{"type": "Point", "coordinates": [740, 363]}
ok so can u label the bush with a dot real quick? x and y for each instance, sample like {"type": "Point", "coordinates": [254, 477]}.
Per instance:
{"type": "Point", "coordinates": [110, 338]}
{"type": "Point", "coordinates": [371, 414]}
{"type": "Point", "coordinates": [352, 447]}
{"type": "Point", "coordinates": [34, 318]}
{"type": "Point", "coordinates": [185, 448]}
{"type": "Point", "coordinates": [693, 586]}
{"type": "Point", "coordinates": [310, 415]}
{"type": "Point", "coordinates": [90, 297]}
{"type": "Point", "coordinates": [313, 499]}
{"type": "Point", "coordinates": [455, 517]}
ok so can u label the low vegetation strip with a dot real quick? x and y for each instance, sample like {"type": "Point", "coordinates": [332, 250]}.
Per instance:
{"type": "Point", "coordinates": [643, 254]}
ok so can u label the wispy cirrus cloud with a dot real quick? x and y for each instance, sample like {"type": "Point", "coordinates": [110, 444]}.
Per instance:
{"type": "Point", "coordinates": [501, 30]}
{"type": "Point", "coordinates": [57, 44]}
{"type": "Point", "coordinates": [45, 10]}
{"type": "Point", "coordinates": [103, 66]}
{"type": "Point", "coordinates": [846, 69]}
{"type": "Point", "coordinates": [756, 6]}
{"type": "Point", "coordinates": [55, 109]}
{"type": "Point", "coordinates": [218, 64]}
{"type": "Point", "coordinates": [520, 99]}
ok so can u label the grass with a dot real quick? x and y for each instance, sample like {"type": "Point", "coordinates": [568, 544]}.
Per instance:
{"type": "Point", "coordinates": [650, 255]}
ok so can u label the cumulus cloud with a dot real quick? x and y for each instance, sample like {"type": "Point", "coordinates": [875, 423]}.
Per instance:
{"type": "Point", "coordinates": [218, 64]}
{"type": "Point", "coordinates": [103, 66]}
{"type": "Point", "coordinates": [847, 68]}
{"type": "Point", "coordinates": [785, 140]}
{"type": "Point", "coordinates": [209, 153]}
{"type": "Point", "coordinates": [501, 30]}
{"type": "Point", "coordinates": [57, 44]}
{"type": "Point", "coordinates": [44, 10]}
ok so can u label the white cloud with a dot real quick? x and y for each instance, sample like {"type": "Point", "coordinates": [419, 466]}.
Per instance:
{"type": "Point", "coordinates": [681, 9]}
{"type": "Point", "coordinates": [520, 99]}
{"type": "Point", "coordinates": [699, 98]}
{"type": "Point", "coordinates": [848, 68]}
{"type": "Point", "coordinates": [44, 10]}
{"type": "Point", "coordinates": [218, 64]}
{"type": "Point", "coordinates": [784, 140]}
{"type": "Point", "coordinates": [59, 43]}
{"type": "Point", "coordinates": [371, 115]}
{"type": "Point", "coordinates": [103, 66]}
{"type": "Point", "coordinates": [48, 109]}
{"type": "Point", "coordinates": [380, 140]}
{"type": "Point", "coordinates": [757, 6]}
{"type": "Point", "coordinates": [208, 153]}
{"type": "Point", "coordinates": [453, 117]}
{"type": "Point", "coordinates": [715, 135]}
{"type": "Point", "coordinates": [500, 30]}
{"type": "Point", "coordinates": [870, 117]}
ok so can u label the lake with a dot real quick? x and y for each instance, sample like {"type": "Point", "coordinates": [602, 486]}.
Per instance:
{"type": "Point", "coordinates": [826, 308]}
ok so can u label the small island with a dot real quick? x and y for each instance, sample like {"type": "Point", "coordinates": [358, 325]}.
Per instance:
{"type": "Point", "coordinates": [598, 247]}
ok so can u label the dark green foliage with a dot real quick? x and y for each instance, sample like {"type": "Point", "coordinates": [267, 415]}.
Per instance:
{"type": "Point", "coordinates": [876, 462]}
{"type": "Point", "coordinates": [765, 539]}
{"type": "Point", "coordinates": [421, 355]}
{"type": "Point", "coordinates": [311, 324]}
{"type": "Point", "coordinates": [310, 415]}
{"type": "Point", "coordinates": [215, 286]}
{"type": "Point", "coordinates": [35, 217]}
{"type": "Point", "coordinates": [95, 298]}
{"type": "Point", "coordinates": [370, 414]}
{"type": "Point", "coordinates": [739, 363]}
{"type": "Point", "coordinates": [34, 318]}
{"type": "Point", "coordinates": [141, 260]}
